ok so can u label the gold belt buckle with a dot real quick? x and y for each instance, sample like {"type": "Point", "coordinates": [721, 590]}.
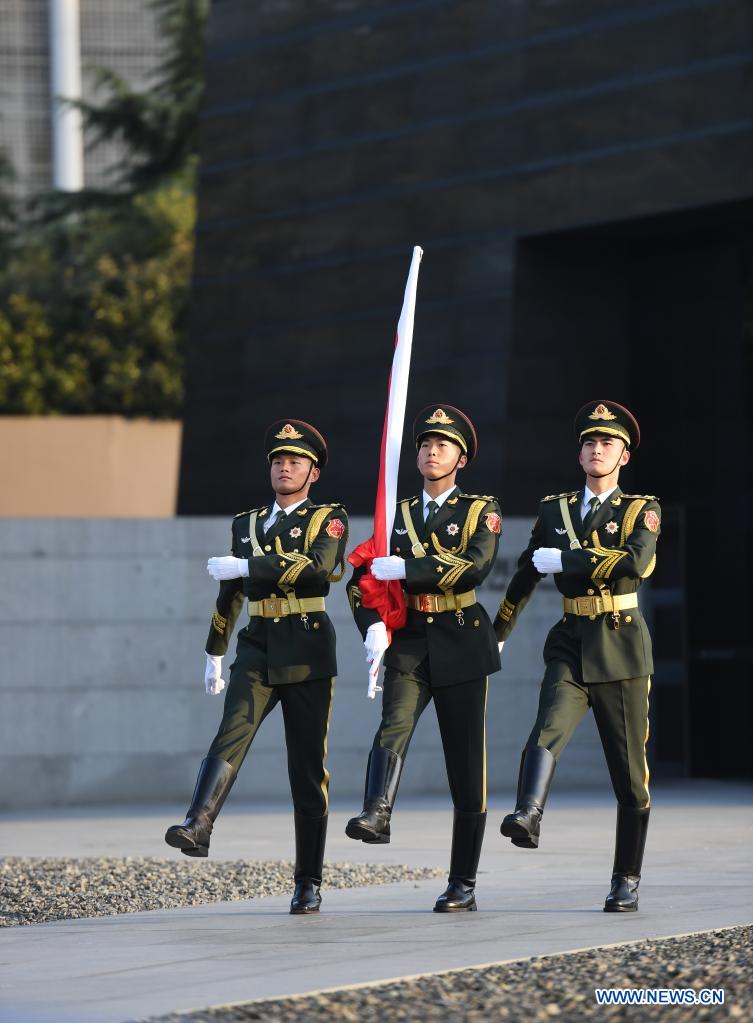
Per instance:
{"type": "Point", "coordinates": [585, 605]}
{"type": "Point", "coordinates": [272, 607]}
{"type": "Point", "coordinates": [427, 602]}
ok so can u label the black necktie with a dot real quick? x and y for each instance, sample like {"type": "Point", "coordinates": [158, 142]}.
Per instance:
{"type": "Point", "coordinates": [595, 505]}
{"type": "Point", "coordinates": [431, 513]}
{"type": "Point", "coordinates": [278, 515]}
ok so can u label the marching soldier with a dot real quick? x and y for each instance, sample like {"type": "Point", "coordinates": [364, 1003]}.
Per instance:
{"type": "Point", "coordinates": [284, 556]}
{"type": "Point", "coordinates": [600, 544]}
{"type": "Point", "coordinates": [443, 545]}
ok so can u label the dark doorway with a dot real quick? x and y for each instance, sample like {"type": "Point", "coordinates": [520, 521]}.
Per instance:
{"type": "Point", "coordinates": [658, 314]}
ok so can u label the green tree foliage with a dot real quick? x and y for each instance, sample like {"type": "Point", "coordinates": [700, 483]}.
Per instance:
{"type": "Point", "coordinates": [93, 288]}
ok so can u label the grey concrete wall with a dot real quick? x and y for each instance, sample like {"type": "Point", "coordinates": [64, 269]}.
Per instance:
{"type": "Point", "coordinates": [102, 631]}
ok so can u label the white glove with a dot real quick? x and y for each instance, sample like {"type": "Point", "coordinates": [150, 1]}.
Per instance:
{"type": "Point", "coordinates": [227, 568]}
{"type": "Point", "coordinates": [500, 645]}
{"type": "Point", "coordinates": [376, 645]}
{"type": "Point", "coordinates": [388, 568]}
{"type": "Point", "coordinates": [376, 642]}
{"type": "Point", "coordinates": [547, 559]}
{"type": "Point", "coordinates": [213, 681]}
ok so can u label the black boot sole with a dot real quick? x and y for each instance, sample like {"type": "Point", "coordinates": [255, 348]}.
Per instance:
{"type": "Point", "coordinates": [620, 909]}
{"type": "Point", "coordinates": [456, 909]}
{"type": "Point", "coordinates": [361, 833]}
{"type": "Point", "coordinates": [304, 912]}
{"type": "Point", "coordinates": [186, 843]}
{"type": "Point", "coordinates": [519, 835]}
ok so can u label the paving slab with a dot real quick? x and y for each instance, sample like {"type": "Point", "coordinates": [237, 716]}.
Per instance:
{"type": "Point", "coordinates": [112, 969]}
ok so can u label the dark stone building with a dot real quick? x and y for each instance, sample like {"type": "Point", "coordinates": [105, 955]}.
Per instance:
{"type": "Point", "coordinates": [580, 176]}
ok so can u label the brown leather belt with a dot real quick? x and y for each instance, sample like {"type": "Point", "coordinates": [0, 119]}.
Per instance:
{"type": "Point", "coordinates": [279, 607]}
{"type": "Point", "coordinates": [599, 604]}
{"type": "Point", "coordinates": [435, 603]}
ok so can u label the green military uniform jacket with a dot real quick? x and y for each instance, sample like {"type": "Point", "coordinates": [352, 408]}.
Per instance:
{"type": "Point", "coordinates": [457, 556]}
{"type": "Point", "coordinates": [300, 555]}
{"type": "Point", "coordinates": [616, 553]}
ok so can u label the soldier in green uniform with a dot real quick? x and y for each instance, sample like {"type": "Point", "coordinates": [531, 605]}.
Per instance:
{"type": "Point", "coordinates": [443, 546]}
{"type": "Point", "coordinates": [284, 556]}
{"type": "Point", "coordinates": [600, 544]}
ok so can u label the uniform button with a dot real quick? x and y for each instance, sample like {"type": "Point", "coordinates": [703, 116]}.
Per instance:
{"type": "Point", "coordinates": [429, 620]}
{"type": "Point", "coordinates": [476, 623]}
{"type": "Point", "coordinates": [592, 618]}
{"type": "Point", "coordinates": [585, 543]}
{"type": "Point", "coordinates": [275, 619]}
{"type": "Point", "coordinates": [316, 625]}
{"type": "Point", "coordinates": [426, 545]}
{"type": "Point", "coordinates": [564, 618]}
{"type": "Point", "coordinates": [267, 548]}
{"type": "Point", "coordinates": [590, 593]}
{"type": "Point", "coordinates": [397, 550]}
{"type": "Point", "coordinates": [628, 618]}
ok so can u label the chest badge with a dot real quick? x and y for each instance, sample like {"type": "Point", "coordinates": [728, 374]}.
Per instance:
{"type": "Point", "coordinates": [611, 527]}
{"type": "Point", "coordinates": [401, 532]}
{"type": "Point", "coordinates": [559, 532]}
{"type": "Point", "coordinates": [245, 539]}
{"type": "Point", "coordinates": [295, 532]}
{"type": "Point", "coordinates": [453, 529]}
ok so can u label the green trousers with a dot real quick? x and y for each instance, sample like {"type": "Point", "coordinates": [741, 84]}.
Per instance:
{"type": "Point", "coordinates": [461, 714]}
{"type": "Point", "coordinates": [306, 711]}
{"type": "Point", "coordinates": [621, 713]}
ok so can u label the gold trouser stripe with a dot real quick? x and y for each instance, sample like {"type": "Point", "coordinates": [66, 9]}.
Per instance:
{"type": "Point", "coordinates": [280, 607]}
{"type": "Point", "coordinates": [325, 779]}
{"type": "Point", "coordinates": [436, 603]}
{"type": "Point", "coordinates": [599, 604]}
{"type": "Point", "coordinates": [483, 790]}
{"type": "Point", "coordinates": [645, 759]}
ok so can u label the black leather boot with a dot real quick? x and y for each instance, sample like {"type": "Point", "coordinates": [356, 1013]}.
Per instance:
{"type": "Point", "coordinates": [215, 780]}
{"type": "Point", "coordinates": [467, 836]}
{"type": "Point", "coordinates": [382, 779]}
{"type": "Point", "coordinates": [632, 827]}
{"type": "Point", "coordinates": [310, 837]}
{"type": "Point", "coordinates": [536, 772]}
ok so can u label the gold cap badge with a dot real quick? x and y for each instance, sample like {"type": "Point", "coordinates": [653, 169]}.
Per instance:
{"type": "Point", "coordinates": [288, 432]}
{"type": "Point", "coordinates": [601, 412]}
{"type": "Point", "coordinates": [440, 416]}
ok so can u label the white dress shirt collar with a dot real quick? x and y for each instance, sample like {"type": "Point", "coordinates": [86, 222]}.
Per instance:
{"type": "Point", "coordinates": [440, 500]}
{"type": "Point", "coordinates": [276, 508]}
{"type": "Point", "coordinates": [588, 495]}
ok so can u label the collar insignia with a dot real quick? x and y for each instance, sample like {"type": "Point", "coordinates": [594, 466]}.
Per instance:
{"type": "Point", "coordinates": [601, 412]}
{"type": "Point", "coordinates": [289, 432]}
{"type": "Point", "coordinates": [440, 416]}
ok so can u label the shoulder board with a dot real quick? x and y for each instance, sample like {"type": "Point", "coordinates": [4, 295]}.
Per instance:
{"type": "Point", "coordinates": [410, 500]}
{"type": "Point", "coordinates": [556, 497]}
{"type": "Point", "coordinates": [251, 511]}
{"type": "Point", "coordinates": [329, 504]}
{"type": "Point", "coordinates": [478, 497]}
{"type": "Point", "coordinates": [639, 497]}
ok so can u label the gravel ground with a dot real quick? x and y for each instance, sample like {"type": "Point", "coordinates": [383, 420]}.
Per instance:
{"type": "Point", "coordinates": [549, 988]}
{"type": "Point", "coordinates": [33, 891]}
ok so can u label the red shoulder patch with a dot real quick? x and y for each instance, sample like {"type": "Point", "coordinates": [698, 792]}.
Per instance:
{"type": "Point", "coordinates": [493, 522]}
{"type": "Point", "coordinates": [335, 528]}
{"type": "Point", "coordinates": [652, 521]}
